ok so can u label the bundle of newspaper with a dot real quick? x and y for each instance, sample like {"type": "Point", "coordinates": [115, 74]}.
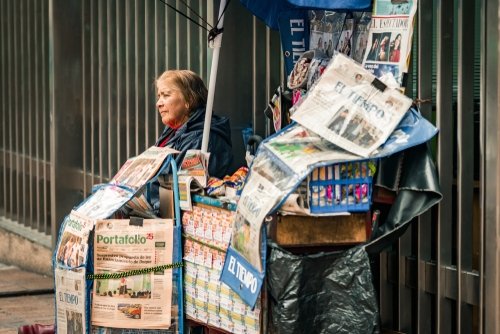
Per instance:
{"type": "Point", "coordinates": [351, 108]}
{"type": "Point", "coordinates": [141, 301]}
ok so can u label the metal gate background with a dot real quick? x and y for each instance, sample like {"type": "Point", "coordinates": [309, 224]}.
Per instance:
{"type": "Point", "coordinates": [77, 99]}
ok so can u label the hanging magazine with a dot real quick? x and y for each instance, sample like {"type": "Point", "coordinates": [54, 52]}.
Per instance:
{"type": "Point", "coordinates": [351, 108]}
{"type": "Point", "coordinates": [389, 40]}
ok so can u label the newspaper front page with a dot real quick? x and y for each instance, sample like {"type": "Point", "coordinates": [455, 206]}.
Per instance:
{"type": "Point", "coordinates": [73, 244]}
{"type": "Point", "coordinates": [70, 300]}
{"type": "Point", "coordinates": [389, 40]}
{"type": "Point", "coordinates": [140, 301]}
{"type": "Point", "coordinates": [138, 170]}
{"type": "Point", "coordinates": [349, 107]}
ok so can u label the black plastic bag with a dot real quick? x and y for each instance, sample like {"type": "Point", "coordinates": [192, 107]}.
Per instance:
{"type": "Point", "coordinates": [321, 293]}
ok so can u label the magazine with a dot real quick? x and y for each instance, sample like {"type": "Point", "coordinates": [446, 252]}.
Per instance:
{"type": "Point", "coordinates": [133, 301]}
{"type": "Point", "coordinates": [351, 108]}
{"type": "Point", "coordinates": [389, 40]}
{"type": "Point", "coordinates": [71, 300]}
{"type": "Point", "coordinates": [73, 244]}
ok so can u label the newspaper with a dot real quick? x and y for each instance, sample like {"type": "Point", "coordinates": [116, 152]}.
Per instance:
{"type": "Point", "coordinates": [326, 29]}
{"type": "Point", "coordinates": [138, 170]}
{"type": "Point", "coordinates": [140, 301]}
{"type": "Point", "coordinates": [71, 300]}
{"type": "Point", "coordinates": [104, 202]}
{"type": "Point", "coordinates": [299, 147]}
{"type": "Point", "coordinates": [73, 244]}
{"type": "Point", "coordinates": [360, 35]}
{"type": "Point", "coordinates": [192, 176]}
{"type": "Point", "coordinates": [349, 107]}
{"type": "Point", "coordinates": [258, 198]}
{"type": "Point", "coordinates": [389, 40]}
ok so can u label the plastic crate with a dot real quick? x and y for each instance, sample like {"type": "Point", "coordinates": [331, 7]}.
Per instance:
{"type": "Point", "coordinates": [341, 187]}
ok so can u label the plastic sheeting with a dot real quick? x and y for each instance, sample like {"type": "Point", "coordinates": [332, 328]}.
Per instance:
{"type": "Point", "coordinates": [321, 293]}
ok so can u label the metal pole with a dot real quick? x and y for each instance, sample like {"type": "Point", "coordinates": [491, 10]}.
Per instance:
{"type": "Point", "coordinates": [213, 79]}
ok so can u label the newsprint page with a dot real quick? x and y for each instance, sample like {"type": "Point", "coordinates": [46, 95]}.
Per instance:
{"type": "Point", "coordinates": [351, 108]}
{"type": "Point", "coordinates": [140, 301]}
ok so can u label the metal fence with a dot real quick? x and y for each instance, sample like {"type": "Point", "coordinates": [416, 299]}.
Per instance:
{"type": "Point", "coordinates": [77, 99]}
{"type": "Point", "coordinates": [442, 275]}
{"type": "Point", "coordinates": [78, 95]}
{"type": "Point", "coordinates": [25, 114]}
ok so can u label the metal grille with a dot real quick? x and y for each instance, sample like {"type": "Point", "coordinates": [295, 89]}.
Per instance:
{"type": "Point", "coordinates": [434, 279]}
{"type": "Point", "coordinates": [126, 45]}
{"type": "Point", "coordinates": [24, 104]}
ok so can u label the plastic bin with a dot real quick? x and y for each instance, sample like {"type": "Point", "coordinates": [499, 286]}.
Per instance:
{"type": "Point", "coordinates": [341, 187]}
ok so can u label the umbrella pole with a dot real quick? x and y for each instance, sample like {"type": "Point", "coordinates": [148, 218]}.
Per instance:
{"type": "Point", "coordinates": [213, 78]}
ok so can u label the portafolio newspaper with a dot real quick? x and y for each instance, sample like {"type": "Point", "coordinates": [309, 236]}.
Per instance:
{"type": "Point", "coordinates": [351, 108]}
{"type": "Point", "coordinates": [389, 40]}
{"type": "Point", "coordinates": [142, 300]}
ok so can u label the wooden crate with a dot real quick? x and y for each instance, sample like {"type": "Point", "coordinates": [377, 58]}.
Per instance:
{"type": "Point", "coordinates": [306, 231]}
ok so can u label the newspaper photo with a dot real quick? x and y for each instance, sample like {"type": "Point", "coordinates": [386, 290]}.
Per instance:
{"type": "Point", "coordinates": [141, 301]}
{"type": "Point", "coordinates": [70, 300]}
{"type": "Point", "coordinates": [137, 171]}
{"type": "Point", "coordinates": [258, 197]}
{"type": "Point", "coordinates": [349, 107]}
{"type": "Point", "coordinates": [73, 244]}
{"type": "Point", "coordinates": [389, 40]}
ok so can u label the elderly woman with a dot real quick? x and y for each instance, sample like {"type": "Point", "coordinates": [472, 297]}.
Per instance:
{"type": "Point", "coordinates": [182, 97]}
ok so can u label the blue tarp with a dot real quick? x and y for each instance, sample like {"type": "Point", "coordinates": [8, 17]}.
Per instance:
{"type": "Point", "coordinates": [269, 11]}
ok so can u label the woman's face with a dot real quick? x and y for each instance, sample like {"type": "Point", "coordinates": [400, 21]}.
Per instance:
{"type": "Point", "coordinates": [173, 108]}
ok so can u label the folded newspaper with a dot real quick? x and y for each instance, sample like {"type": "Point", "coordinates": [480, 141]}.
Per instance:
{"type": "Point", "coordinates": [141, 301]}
{"type": "Point", "coordinates": [192, 176]}
{"type": "Point", "coordinates": [351, 108]}
{"type": "Point", "coordinates": [136, 171]}
{"type": "Point", "coordinates": [72, 248]}
{"type": "Point", "coordinates": [71, 300]}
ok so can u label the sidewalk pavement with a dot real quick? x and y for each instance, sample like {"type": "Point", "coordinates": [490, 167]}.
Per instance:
{"type": "Point", "coordinates": [25, 298]}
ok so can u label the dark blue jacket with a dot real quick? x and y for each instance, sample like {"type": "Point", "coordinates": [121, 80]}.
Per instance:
{"type": "Point", "coordinates": [189, 137]}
